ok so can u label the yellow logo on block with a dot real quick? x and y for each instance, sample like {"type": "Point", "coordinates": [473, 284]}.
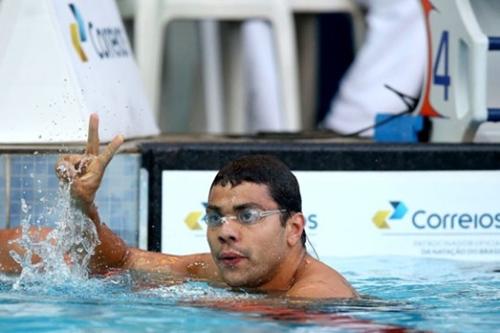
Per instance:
{"type": "Point", "coordinates": [192, 220]}
{"type": "Point", "coordinates": [78, 33]}
{"type": "Point", "coordinates": [75, 40]}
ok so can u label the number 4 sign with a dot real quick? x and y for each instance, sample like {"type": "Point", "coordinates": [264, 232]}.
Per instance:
{"type": "Point", "coordinates": [455, 86]}
{"type": "Point", "coordinates": [442, 60]}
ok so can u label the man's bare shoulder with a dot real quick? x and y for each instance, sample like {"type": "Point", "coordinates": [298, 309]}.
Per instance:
{"type": "Point", "coordinates": [318, 280]}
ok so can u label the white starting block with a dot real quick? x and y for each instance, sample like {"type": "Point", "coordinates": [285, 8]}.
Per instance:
{"type": "Point", "coordinates": [460, 78]}
{"type": "Point", "coordinates": [61, 60]}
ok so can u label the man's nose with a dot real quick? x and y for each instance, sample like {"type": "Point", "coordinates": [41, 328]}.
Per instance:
{"type": "Point", "coordinates": [229, 231]}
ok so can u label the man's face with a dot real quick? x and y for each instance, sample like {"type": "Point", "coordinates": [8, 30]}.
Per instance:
{"type": "Point", "coordinates": [246, 255]}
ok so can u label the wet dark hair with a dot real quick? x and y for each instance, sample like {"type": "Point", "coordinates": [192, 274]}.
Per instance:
{"type": "Point", "coordinates": [270, 171]}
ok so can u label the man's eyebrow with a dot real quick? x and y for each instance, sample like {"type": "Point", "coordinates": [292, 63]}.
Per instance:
{"type": "Point", "coordinates": [246, 205]}
{"type": "Point", "coordinates": [235, 208]}
{"type": "Point", "coordinates": [212, 207]}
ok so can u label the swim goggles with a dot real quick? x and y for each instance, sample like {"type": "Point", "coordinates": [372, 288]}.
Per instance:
{"type": "Point", "coordinates": [245, 216]}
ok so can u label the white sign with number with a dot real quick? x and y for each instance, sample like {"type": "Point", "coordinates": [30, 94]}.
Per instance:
{"type": "Point", "coordinates": [460, 87]}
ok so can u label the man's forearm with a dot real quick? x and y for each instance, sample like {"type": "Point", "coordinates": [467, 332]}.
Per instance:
{"type": "Point", "coordinates": [112, 250]}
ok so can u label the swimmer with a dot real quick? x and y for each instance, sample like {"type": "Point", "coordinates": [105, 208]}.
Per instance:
{"type": "Point", "coordinates": [255, 230]}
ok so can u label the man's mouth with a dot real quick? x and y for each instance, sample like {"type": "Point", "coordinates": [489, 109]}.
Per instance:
{"type": "Point", "coordinates": [231, 259]}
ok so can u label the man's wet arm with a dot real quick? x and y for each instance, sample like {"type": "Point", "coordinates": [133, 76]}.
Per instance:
{"type": "Point", "coordinates": [195, 266]}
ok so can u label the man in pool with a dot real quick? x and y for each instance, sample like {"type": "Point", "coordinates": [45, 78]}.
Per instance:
{"type": "Point", "coordinates": [255, 230]}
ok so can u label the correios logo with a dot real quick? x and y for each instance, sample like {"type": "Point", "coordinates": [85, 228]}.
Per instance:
{"type": "Point", "coordinates": [381, 217]}
{"type": "Point", "coordinates": [78, 33]}
{"type": "Point", "coordinates": [423, 219]}
{"type": "Point", "coordinates": [107, 42]}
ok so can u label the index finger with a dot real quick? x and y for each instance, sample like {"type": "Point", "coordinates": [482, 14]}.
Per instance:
{"type": "Point", "coordinates": [111, 149]}
{"type": "Point", "coordinates": [93, 136]}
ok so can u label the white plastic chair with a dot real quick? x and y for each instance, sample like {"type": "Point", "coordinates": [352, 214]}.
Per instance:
{"type": "Point", "coordinates": [153, 15]}
{"type": "Point", "coordinates": [307, 52]}
{"type": "Point", "coordinates": [262, 81]}
{"type": "Point", "coordinates": [127, 8]}
{"type": "Point", "coordinates": [332, 6]}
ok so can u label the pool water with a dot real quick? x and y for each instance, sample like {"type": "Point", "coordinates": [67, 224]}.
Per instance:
{"type": "Point", "coordinates": [399, 295]}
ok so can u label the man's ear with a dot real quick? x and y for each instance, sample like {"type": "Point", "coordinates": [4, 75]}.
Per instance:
{"type": "Point", "coordinates": [295, 226]}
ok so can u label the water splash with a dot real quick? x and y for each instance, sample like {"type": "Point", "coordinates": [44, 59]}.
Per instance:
{"type": "Point", "coordinates": [64, 254]}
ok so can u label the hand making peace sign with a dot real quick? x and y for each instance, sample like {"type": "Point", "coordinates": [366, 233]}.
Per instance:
{"type": "Point", "coordinates": [85, 171]}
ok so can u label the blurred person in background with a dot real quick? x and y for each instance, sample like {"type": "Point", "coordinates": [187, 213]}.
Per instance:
{"type": "Point", "coordinates": [391, 59]}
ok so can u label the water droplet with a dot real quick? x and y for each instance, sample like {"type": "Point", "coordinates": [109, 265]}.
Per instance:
{"type": "Point", "coordinates": [24, 206]}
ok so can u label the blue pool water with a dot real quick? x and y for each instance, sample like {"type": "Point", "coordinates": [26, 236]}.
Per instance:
{"type": "Point", "coordinates": [400, 294]}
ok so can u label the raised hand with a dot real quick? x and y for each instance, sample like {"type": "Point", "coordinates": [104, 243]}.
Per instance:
{"type": "Point", "coordinates": [85, 171]}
